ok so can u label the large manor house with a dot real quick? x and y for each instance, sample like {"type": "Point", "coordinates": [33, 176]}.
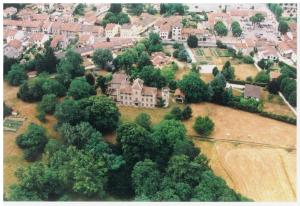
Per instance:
{"type": "Point", "coordinates": [135, 94]}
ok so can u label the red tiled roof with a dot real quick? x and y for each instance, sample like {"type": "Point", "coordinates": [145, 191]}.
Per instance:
{"type": "Point", "coordinates": [15, 43]}
{"type": "Point", "coordinates": [110, 26]}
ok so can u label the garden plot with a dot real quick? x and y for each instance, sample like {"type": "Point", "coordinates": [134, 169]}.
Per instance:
{"type": "Point", "coordinates": [12, 124]}
{"type": "Point", "coordinates": [220, 52]}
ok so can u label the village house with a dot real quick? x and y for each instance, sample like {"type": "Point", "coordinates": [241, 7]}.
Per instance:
{"type": "Point", "coordinates": [159, 59]}
{"type": "Point", "coordinates": [46, 28]}
{"type": "Point", "coordinates": [38, 38]}
{"type": "Point", "coordinates": [92, 30]}
{"type": "Point", "coordinates": [201, 34]}
{"type": "Point", "coordinates": [89, 18]}
{"type": "Point", "coordinates": [128, 31]}
{"type": "Point", "coordinates": [13, 49]}
{"type": "Point", "coordinates": [135, 94]}
{"type": "Point", "coordinates": [268, 52]}
{"type": "Point", "coordinates": [176, 31]}
{"type": "Point", "coordinates": [9, 34]}
{"type": "Point", "coordinates": [59, 41]}
{"type": "Point", "coordinates": [252, 91]}
{"type": "Point", "coordinates": [9, 11]}
{"type": "Point", "coordinates": [143, 22]}
{"type": "Point", "coordinates": [111, 30]}
{"type": "Point", "coordinates": [85, 40]}
{"type": "Point", "coordinates": [102, 8]}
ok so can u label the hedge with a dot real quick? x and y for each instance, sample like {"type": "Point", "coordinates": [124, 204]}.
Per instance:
{"type": "Point", "coordinates": [242, 82]}
{"type": "Point", "coordinates": [282, 118]}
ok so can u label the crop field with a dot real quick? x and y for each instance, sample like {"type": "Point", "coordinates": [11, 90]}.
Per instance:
{"type": "Point", "coordinates": [262, 174]}
{"type": "Point", "coordinates": [12, 124]}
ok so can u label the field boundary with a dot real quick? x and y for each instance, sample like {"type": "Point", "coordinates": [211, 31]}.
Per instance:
{"type": "Point", "coordinates": [209, 139]}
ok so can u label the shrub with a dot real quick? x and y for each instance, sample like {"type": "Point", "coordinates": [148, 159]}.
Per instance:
{"type": "Point", "coordinates": [203, 126]}
{"type": "Point", "coordinates": [186, 113]}
{"type": "Point", "coordinates": [248, 60]}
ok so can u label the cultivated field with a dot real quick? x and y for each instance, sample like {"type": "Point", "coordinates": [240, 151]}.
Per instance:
{"type": "Point", "coordinates": [262, 174]}
{"type": "Point", "coordinates": [244, 126]}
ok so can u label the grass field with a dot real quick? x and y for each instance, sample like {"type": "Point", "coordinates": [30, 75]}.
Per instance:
{"type": "Point", "coordinates": [276, 105]}
{"type": "Point", "coordinates": [13, 156]}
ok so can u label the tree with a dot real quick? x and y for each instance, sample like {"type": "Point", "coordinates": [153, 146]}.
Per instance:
{"type": "Point", "coordinates": [152, 77]}
{"type": "Point", "coordinates": [135, 143]}
{"type": "Point", "coordinates": [31, 90]}
{"type": "Point", "coordinates": [69, 111]}
{"type": "Point", "coordinates": [248, 59]}
{"type": "Point", "coordinates": [236, 29]}
{"type": "Point", "coordinates": [220, 28]}
{"type": "Point", "coordinates": [186, 113]}
{"type": "Point", "coordinates": [102, 56]}
{"type": "Point", "coordinates": [175, 113]}
{"type": "Point", "coordinates": [273, 86]}
{"type": "Point", "coordinates": [46, 62]}
{"type": "Point", "coordinates": [48, 103]}
{"type": "Point", "coordinates": [115, 8]}
{"type": "Point", "coordinates": [33, 141]}
{"type": "Point", "coordinates": [218, 85]}
{"type": "Point", "coordinates": [283, 27]}
{"type": "Point", "coordinates": [203, 126]}
{"type": "Point", "coordinates": [8, 62]}
{"type": "Point", "coordinates": [144, 120]}
{"type": "Point", "coordinates": [6, 110]}
{"type": "Point", "coordinates": [293, 98]}
{"type": "Point", "coordinates": [16, 75]}
{"type": "Point", "coordinates": [89, 174]}
{"type": "Point", "coordinates": [36, 182]}
{"type": "Point", "coordinates": [228, 71]}
{"type": "Point", "coordinates": [193, 87]}
{"type": "Point", "coordinates": [144, 60]}
{"type": "Point", "coordinates": [215, 71]}
{"type": "Point", "coordinates": [80, 88]}
{"type": "Point", "coordinates": [103, 114]}
{"type": "Point", "coordinates": [257, 18]}
{"type": "Point", "coordinates": [102, 83]}
{"type": "Point", "coordinates": [192, 41]}
{"type": "Point", "coordinates": [135, 9]}
{"type": "Point", "coordinates": [145, 178]}
{"type": "Point", "coordinates": [90, 79]}
{"type": "Point", "coordinates": [165, 135]}
{"type": "Point", "coordinates": [213, 188]}
{"type": "Point", "coordinates": [265, 64]}
{"type": "Point", "coordinates": [79, 9]}
{"type": "Point", "coordinates": [52, 86]}
{"type": "Point", "coordinates": [80, 135]}
{"type": "Point", "coordinates": [262, 77]}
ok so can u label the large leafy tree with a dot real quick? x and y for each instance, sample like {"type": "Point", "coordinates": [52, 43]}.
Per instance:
{"type": "Point", "coordinates": [80, 88]}
{"type": "Point", "coordinates": [257, 18]}
{"type": "Point", "coordinates": [283, 27]}
{"type": "Point", "coordinates": [47, 61]}
{"type": "Point", "coordinates": [135, 143]}
{"type": "Point", "coordinates": [218, 85]}
{"type": "Point", "coordinates": [69, 111]}
{"type": "Point", "coordinates": [262, 77]}
{"type": "Point", "coordinates": [146, 178]}
{"type": "Point", "coordinates": [16, 75]}
{"type": "Point", "coordinates": [220, 28]}
{"type": "Point", "coordinates": [203, 126]}
{"type": "Point", "coordinates": [8, 62]}
{"type": "Point", "coordinates": [115, 8]}
{"type": "Point", "coordinates": [152, 77]}
{"type": "Point", "coordinates": [103, 114]}
{"type": "Point", "coordinates": [48, 103]}
{"type": "Point", "coordinates": [53, 86]}
{"type": "Point", "coordinates": [144, 120]}
{"type": "Point", "coordinates": [102, 56]}
{"type": "Point", "coordinates": [33, 141]}
{"type": "Point", "coordinates": [192, 41]}
{"type": "Point", "coordinates": [236, 29]}
{"type": "Point", "coordinates": [228, 71]}
{"type": "Point", "coordinates": [37, 182]}
{"type": "Point", "coordinates": [194, 88]}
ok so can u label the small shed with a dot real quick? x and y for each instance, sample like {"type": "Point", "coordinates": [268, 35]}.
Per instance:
{"type": "Point", "coordinates": [179, 96]}
{"type": "Point", "coordinates": [252, 91]}
{"type": "Point", "coordinates": [206, 69]}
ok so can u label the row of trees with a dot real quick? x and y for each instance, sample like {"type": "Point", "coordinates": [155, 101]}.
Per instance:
{"type": "Point", "coordinates": [170, 9]}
